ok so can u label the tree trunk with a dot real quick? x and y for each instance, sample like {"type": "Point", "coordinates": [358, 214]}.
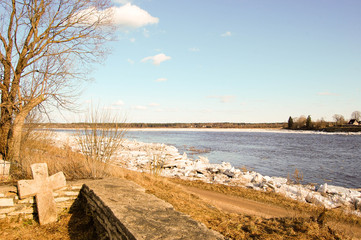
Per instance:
{"type": "Point", "coordinates": [14, 142]}
{"type": "Point", "coordinates": [4, 136]}
{"type": "Point", "coordinates": [14, 146]}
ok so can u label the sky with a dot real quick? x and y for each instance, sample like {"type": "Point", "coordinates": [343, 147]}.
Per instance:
{"type": "Point", "coordinates": [230, 61]}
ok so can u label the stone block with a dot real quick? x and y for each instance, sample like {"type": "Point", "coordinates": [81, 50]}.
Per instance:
{"type": "Point", "coordinates": [28, 210]}
{"type": "Point", "coordinates": [6, 202]}
{"type": "Point", "coordinates": [71, 193]}
{"type": "Point", "coordinates": [27, 200]}
{"type": "Point", "coordinates": [124, 211]}
{"type": "Point", "coordinates": [62, 199]}
{"type": "Point", "coordinates": [77, 187]}
{"type": "Point", "coordinates": [7, 210]}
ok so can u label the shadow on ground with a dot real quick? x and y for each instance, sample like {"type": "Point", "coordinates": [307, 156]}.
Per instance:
{"type": "Point", "coordinates": [80, 226]}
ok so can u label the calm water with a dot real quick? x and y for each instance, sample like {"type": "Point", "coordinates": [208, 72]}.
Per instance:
{"type": "Point", "coordinates": [335, 159]}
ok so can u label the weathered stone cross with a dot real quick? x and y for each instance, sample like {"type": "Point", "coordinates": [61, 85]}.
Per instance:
{"type": "Point", "coordinates": [42, 187]}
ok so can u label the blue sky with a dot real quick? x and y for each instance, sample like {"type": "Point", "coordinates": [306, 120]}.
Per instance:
{"type": "Point", "coordinates": [231, 61]}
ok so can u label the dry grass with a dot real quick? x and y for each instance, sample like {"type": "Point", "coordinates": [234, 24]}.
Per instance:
{"type": "Point", "coordinates": [235, 226]}
{"type": "Point", "coordinates": [274, 199]}
{"type": "Point", "coordinates": [37, 149]}
{"type": "Point", "coordinates": [74, 225]}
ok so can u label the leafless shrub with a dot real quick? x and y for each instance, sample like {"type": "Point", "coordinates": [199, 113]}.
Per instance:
{"type": "Point", "coordinates": [99, 142]}
{"type": "Point", "coordinates": [157, 160]}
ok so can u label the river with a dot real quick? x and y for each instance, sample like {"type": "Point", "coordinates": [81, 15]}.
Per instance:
{"type": "Point", "coordinates": [331, 158]}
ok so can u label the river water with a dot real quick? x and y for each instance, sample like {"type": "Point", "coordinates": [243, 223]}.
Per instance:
{"type": "Point", "coordinates": [331, 158]}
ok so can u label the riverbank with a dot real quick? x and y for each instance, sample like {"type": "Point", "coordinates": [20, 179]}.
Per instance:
{"type": "Point", "coordinates": [166, 160]}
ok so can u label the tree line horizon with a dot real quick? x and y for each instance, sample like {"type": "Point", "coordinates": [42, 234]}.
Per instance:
{"type": "Point", "coordinates": [306, 123]}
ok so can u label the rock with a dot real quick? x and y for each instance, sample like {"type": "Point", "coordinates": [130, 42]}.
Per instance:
{"type": "Point", "coordinates": [228, 173]}
{"type": "Point", "coordinates": [267, 179]}
{"type": "Point", "coordinates": [257, 179]}
{"type": "Point", "coordinates": [203, 160]}
{"type": "Point", "coordinates": [247, 177]}
{"type": "Point", "coordinates": [279, 181]}
{"type": "Point", "coordinates": [225, 165]}
{"type": "Point", "coordinates": [322, 188]}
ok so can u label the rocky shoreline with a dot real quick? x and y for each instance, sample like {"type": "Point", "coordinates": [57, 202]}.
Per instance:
{"type": "Point", "coordinates": [166, 160]}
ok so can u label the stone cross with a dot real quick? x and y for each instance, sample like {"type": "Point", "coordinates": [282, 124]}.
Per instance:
{"type": "Point", "coordinates": [42, 187]}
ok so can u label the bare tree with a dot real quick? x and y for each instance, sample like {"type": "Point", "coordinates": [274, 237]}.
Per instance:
{"type": "Point", "coordinates": [44, 45]}
{"type": "Point", "coordinates": [339, 119]}
{"type": "Point", "coordinates": [356, 115]}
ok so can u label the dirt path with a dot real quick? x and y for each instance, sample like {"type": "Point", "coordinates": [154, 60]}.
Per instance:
{"type": "Point", "coordinates": [235, 204]}
{"type": "Point", "coordinates": [240, 205]}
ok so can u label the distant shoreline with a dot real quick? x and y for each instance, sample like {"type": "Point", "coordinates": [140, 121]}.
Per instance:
{"type": "Point", "coordinates": [207, 127]}
{"type": "Point", "coordinates": [249, 130]}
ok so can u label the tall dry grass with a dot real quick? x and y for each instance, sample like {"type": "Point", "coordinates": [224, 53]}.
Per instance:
{"type": "Point", "coordinates": [37, 147]}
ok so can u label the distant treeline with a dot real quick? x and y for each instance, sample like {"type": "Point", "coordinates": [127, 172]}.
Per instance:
{"type": "Point", "coordinates": [339, 125]}
{"type": "Point", "coordinates": [165, 125]}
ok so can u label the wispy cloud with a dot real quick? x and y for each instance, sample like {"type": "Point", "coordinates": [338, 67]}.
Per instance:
{"type": "Point", "coordinates": [194, 49]}
{"type": "Point", "coordinates": [161, 80]}
{"type": "Point", "coordinates": [153, 104]}
{"type": "Point", "coordinates": [224, 99]}
{"type": "Point", "coordinates": [130, 61]}
{"type": "Point", "coordinates": [140, 107]}
{"type": "Point", "coordinates": [157, 59]}
{"type": "Point", "coordinates": [327, 94]}
{"type": "Point", "coordinates": [118, 103]}
{"type": "Point", "coordinates": [146, 33]}
{"type": "Point", "coordinates": [226, 34]}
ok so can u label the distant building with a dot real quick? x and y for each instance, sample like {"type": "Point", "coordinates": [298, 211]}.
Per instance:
{"type": "Point", "coordinates": [354, 122]}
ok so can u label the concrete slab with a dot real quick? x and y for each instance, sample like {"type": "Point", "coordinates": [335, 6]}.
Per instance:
{"type": "Point", "coordinates": [143, 215]}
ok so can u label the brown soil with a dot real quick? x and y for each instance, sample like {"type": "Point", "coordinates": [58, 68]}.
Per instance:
{"type": "Point", "coordinates": [235, 204]}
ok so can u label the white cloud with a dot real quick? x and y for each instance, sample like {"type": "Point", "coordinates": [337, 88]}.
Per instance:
{"type": "Point", "coordinates": [153, 104]}
{"type": "Point", "coordinates": [118, 103]}
{"type": "Point", "coordinates": [224, 99]}
{"type": "Point", "coordinates": [157, 59]}
{"type": "Point", "coordinates": [124, 17]}
{"type": "Point", "coordinates": [130, 61]}
{"type": "Point", "coordinates": [161, 80]}
{"type": "Point", "coordinates": [132, 40]}
{"type": "Point", "coordinates": [132, 16]}
{"type": "Point", "coordinates": [226, 34]}
{"type": "Point", "coordinates": [194, 49]}
{"type": "Point", "coordinates": [139, 107]}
